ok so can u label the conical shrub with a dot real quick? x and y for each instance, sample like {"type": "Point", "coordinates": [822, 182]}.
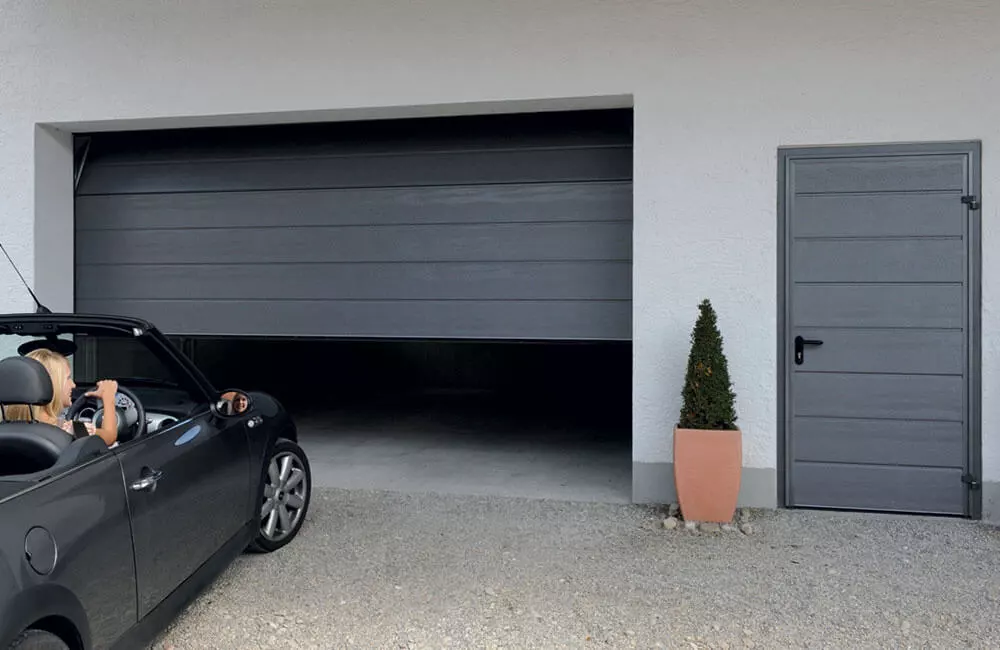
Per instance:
{"type": "Point", "coordinates": [708, 398]}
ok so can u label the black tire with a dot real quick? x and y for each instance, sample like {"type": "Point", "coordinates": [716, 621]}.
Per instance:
{"type": "Point", "coordinates": [281, 499]}
{"type": "Point", "coordinates": [38, 640]}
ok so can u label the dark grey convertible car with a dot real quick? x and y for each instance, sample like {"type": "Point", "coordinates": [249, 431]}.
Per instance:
{"type": "Point", "coordinates": [101, 547]}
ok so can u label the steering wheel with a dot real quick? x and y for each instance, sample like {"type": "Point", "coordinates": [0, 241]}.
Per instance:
{"type": "Point", "coordinates": [129, 410]}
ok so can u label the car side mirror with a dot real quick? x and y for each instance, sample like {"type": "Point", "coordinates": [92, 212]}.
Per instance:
{"type": "Point", "coordinates": [233, 403]}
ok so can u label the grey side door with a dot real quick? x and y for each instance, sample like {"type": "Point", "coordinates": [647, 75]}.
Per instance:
{"type": "Point", "coordinates": [879, 340]}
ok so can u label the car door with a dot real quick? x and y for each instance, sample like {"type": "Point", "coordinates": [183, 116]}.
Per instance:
{"type": "Point", "coordinates": [187, 488]}
{"type": "Point", "coordinates": [187, 484]}
{"type": "Point", "coordinates": [66, 551]}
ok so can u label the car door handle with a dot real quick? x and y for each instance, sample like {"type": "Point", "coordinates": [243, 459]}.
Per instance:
{"type": "Point", "coordinates": [255, 421]}
{"type": "Point", "coordinates": [148, 481]}
{"type": "Point", "coordinates": [800, 344]}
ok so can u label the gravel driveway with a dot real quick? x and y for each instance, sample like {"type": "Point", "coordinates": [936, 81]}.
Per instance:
{"type": "Point", "coordinates": [388, 570]}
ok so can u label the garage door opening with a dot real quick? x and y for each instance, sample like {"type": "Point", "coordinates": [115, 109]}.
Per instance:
{"type": "Point", "coordinates": [543, 420]}
{"type": "Point", "coordinates": [451, 293]}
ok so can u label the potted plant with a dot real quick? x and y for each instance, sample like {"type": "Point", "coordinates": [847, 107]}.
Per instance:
{"type": "Point", "coordinates": [708, 447]}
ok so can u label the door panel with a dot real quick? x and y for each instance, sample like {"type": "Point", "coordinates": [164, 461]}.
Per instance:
{"type": "Point", "coordinates": [879, 442]}
{"type": "Point", "coordinates": [86, 514]}
{"type": "Point", "coordinates": [476, 319]}
{"type": "Point", "coordinates": [510, 203]}
{"type": "Point", "coordinates": [338, 245]}
{"type": "Point", "coordinates": [873, 260]}
{"type": "Point", "coordinates": [917, 214]}
{"type": "Point", "coordinates": [260, 172]}
{"type": "Point", "coordinates": [879, 487]}
{"type": "Point", "coordinates": [560, 280]}
{"type": "Point", "coordinates": [884, 350]}
{"type": "Point", "coordinates": [196, 505]}
{"type": "Point", "coordinates": [904, 397]}
{"type": "Point", "coordinates": [856, 306]}
{"type": "Point", "coordinates": [916, 173]}
{"type": "Point", "coordinates": [877, 272]}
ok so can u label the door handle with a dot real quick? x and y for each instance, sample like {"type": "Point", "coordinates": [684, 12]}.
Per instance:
{"type": "Point", "coordinates": [148, 482]}
{"type": "Point", "coordinates": [800, 344]}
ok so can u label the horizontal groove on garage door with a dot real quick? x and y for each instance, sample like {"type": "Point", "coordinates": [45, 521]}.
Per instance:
{"type": "Point", "coordinates": [499, 226]}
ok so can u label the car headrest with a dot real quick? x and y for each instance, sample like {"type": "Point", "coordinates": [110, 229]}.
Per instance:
{"type": "Point", "coordinates": [24, 381]}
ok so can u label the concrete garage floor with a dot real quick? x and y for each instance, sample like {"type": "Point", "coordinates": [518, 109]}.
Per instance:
{"type": "Point", "coordinates": [388, 570]}
{"type": "Point", "coordinates": [524, 419]}
{"type": "Point", "coordinates": [468, 444]}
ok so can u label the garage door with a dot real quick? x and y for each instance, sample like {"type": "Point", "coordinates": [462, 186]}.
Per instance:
{"type": "Point", "coordinates": [502, 227]}
{"type": "Point", "coordinates": [880, 328]}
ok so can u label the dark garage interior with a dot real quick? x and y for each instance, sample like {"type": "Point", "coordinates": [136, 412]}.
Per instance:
{"type": "Point", "coordinates": [543, 419]}
{"type": "Point", "coordinates": [445, 304]}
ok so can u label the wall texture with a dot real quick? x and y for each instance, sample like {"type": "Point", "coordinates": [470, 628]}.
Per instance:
{"type": "Point", "coordinates": [717, 86]}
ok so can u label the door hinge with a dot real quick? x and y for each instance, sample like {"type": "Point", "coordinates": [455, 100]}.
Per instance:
{"type": "Point", "coordinates": [971, 200]}
{"type": "Point", "coordinates": [971, 481]}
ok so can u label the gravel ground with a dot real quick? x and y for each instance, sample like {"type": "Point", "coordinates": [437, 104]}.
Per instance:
{"type": "Point", "coordinates": [388, 570]}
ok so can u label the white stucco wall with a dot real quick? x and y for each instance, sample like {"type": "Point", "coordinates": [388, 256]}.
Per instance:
{"type": "Point", "coordinates": [717, 87]}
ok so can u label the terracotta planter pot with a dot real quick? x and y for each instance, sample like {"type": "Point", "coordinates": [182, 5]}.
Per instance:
{"type": "Point", "coordinates": [707, 466]}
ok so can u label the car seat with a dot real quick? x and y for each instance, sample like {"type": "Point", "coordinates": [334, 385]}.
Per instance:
{"type": "Point", "coordinates": [27, 447]}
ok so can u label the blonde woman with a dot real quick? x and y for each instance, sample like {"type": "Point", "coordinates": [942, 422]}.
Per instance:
{"type": "Point", "coordinates": [62, 386]}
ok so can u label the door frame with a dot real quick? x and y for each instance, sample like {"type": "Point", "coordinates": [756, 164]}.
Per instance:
{"type": "Point", "coordinates": [973, 316]}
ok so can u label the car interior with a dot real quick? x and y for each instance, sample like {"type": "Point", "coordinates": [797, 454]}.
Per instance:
{"type": "Point", "coordinates": [34, 451]}
{"type": "Point", "coordinates": [154, 395]}
{"type": "Point", "coordinates": [31, 451]}
{"type": "Point", "coordinates": [139, 372]}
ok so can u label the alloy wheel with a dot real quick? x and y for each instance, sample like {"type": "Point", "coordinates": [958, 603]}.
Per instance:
{"type": "Point", "coordinates": [285, 491]}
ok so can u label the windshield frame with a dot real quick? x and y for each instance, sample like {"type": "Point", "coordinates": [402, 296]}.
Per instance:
{"type": "Point", "coordinates": [34, 326]}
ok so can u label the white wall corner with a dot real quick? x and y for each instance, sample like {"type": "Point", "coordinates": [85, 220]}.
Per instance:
{"type": "Point", "coordinates": [53, 232]}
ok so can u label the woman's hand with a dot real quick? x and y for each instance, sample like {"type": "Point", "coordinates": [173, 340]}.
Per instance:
{"type": "Point", "coordinates": [68, 427]}
{"type": "Point", "coordinates": [106, 390]}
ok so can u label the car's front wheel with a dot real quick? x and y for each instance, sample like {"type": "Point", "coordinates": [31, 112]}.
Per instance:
{"type": "Point", "coordinates": [283, 496]}
{"type": "Point", "coordinates": [37, 640]}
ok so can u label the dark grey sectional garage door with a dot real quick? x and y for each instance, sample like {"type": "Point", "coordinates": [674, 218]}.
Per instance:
{"type": "Point", "coordinates": [487, 227]}
{"type": "Point", "coordinates": [881, 269]}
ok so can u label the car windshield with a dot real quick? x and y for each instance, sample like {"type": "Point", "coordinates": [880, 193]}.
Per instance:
{"type": "Point", "coordinates": [125, 358]}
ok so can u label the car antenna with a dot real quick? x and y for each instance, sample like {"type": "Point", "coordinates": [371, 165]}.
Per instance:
{"type": "Point", "coordinates": [39, 307]}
